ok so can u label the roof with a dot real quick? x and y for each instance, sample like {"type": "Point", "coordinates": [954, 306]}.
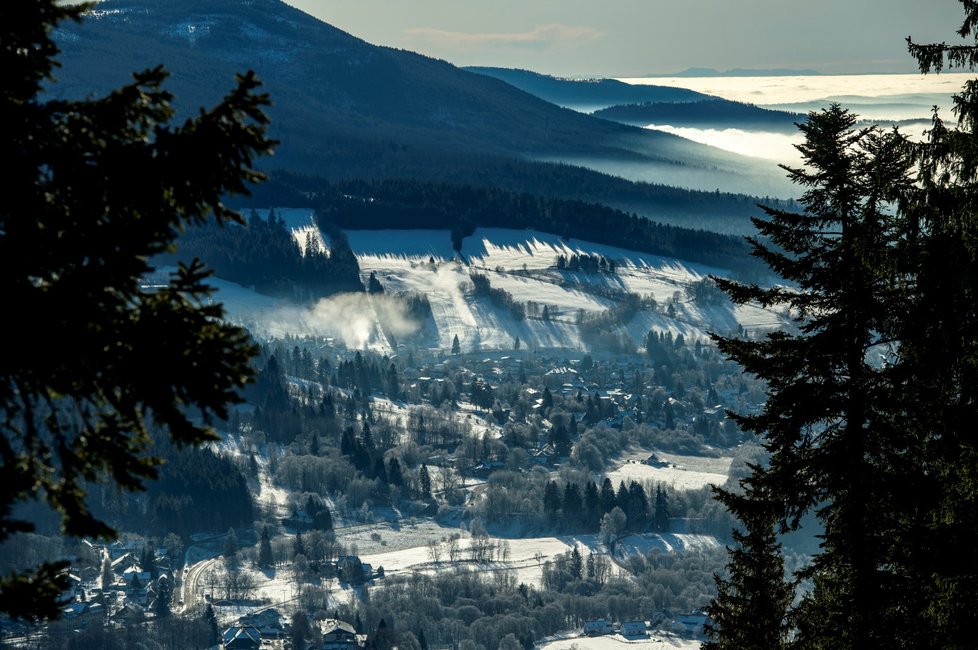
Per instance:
{"type": "Point", "coordinates": [239, 636]}
{"type": "Point", "coordinates": [333, 626]}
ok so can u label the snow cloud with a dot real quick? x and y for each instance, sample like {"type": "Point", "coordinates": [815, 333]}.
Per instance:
{"type": "Point", "coordinates": [358, 319]}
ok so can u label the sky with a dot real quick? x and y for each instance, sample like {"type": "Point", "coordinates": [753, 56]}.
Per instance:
{"type": "Point", "coordinates": [626, 38]}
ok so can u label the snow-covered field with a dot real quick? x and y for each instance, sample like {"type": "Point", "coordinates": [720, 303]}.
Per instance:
{"type": "Point", "coordinates": [406, 547]}
{"type": "Point", "coordinates": [655, 641]}
{"type": "Point", "coordinates": [521, 262]}
{"type": "Point", "coordinates": [680, 472]}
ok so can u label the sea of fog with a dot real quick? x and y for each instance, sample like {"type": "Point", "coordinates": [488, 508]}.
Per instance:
{"type": "Point", "coordinates": [904, 99]}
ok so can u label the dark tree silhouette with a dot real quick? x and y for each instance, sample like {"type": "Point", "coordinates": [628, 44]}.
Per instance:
{"type": "Point", "coordinates": [93, 190]}
{"type": "Point", "coordinates": [885, 266]}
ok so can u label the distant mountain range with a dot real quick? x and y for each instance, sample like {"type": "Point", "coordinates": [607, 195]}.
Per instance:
{"type": "Point", "coordinates": [710, 113]}
{"type": "Point", "coordinates": [343, 108]}
{"type": "Point", "coordinates": [588, 94]}
{"type": "Point", "coordinates": [639, 105]}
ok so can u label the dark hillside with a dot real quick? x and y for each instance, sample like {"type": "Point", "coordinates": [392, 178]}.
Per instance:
{"type": "Point", "coordinates": [346, 109]}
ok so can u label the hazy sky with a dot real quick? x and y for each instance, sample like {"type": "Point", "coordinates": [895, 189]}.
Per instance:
{"type": "Point", "coordinates": [637, 37]}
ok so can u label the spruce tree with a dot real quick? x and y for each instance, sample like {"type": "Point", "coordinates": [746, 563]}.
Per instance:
{"type": "Point", "coordinates": [938, 358]}
{"type": "Point", "coordinates": [830, 445]}
{"type": "Point", "coordinates": [265, 559]}
{"type": "Point", "coordinates": [94, 189]}
{"type": "Point", "coordinates": [425, 480]}
{"type": "Point", "coordinates": [750, 611]}
{"type": "Point", "coordinates": [231, 546]}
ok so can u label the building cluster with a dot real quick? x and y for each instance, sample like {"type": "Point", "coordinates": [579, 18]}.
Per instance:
{"type": "Point", "coordinates": [128, 585]}
{"type": "Point", "coordinates": [268, 628]}
{"type": "Point", "coordinates": [687, 625]}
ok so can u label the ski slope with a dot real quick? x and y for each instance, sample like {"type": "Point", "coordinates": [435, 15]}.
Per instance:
{"type": "Point", "coordinates": [520, 262]}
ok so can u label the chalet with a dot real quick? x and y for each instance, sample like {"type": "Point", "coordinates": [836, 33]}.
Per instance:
{"type": "Point", "coordinates": [485, 468]}
{"type": "Point", "coordinates": [135, 573]}
{"type": "Point", "coordinates": [691, 624]}
{"type": "Point", "coordinates": [125, 562]}
{"type": "Point", "coordinates": [131, 614]}
{"type": "Point", "coordinates": [268, 623]}
{"type": "Point", "coordinates": [633, 628]}
{"type": "Point", "coordinates": [600, 626]}
{"type": "Point", "coordinates": [239, 637]}
{"type": "Point", "coordinates": [350, 569]}
{"type": "Point", "coordinates": [339, 635]}
{"type": "Point", "coordinates": [81, 613]}
{"type": "Point", "coordinates": [655, 461]}
{"type": "Point", "coordinates": [544, 456]}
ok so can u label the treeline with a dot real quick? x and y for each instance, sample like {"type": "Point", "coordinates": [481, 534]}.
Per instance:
{"type": "Point", "coordinates": [196, 491]}
{"type": "Point", "coordinates": [467, 609]}
{"type": "Point", "coordinates": [263, 254]}
{"type": "Point", "coordinates": [197, 632]}
{"type": "Point", "coordinates": [585, 262]}
{"type": "Point", "coordinates": [400, 204]}
{"type": "Point", "coordinates": [593, 508]}
{"type": "Point", "coordinates": [499, 297]}
{"type": "Point", "coordinates": [710, 112]}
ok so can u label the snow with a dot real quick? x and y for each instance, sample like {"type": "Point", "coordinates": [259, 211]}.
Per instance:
{"type": "Point", "coordinates": [404, 548]}
{"type": "Point", "coordinates": [521, 262]}
{"type": "Point", "coordinates": [655, 641]}
{"type": "Point", "coordinates": [679, 472]}
{"type": "Point", "coordinates": [642, 544]}
{"type": "Point", "coordinates": [301, 222]}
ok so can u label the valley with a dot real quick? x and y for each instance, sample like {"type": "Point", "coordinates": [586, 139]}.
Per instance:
{"type": "Point", "coordinates": [386, 351]}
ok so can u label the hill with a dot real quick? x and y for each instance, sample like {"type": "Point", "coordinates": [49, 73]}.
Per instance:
{"type": "Point", "coordinates": [526, 293]}
{"type": "Point", "coordinates": [587, 94]}
{"type": "Point", "coordinates": [711, 113]}
{"type": "Point", "coordinates": [344, 108]}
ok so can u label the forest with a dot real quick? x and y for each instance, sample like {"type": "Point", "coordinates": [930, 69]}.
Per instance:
{"type": "Point", "coordinates": [263, 254]}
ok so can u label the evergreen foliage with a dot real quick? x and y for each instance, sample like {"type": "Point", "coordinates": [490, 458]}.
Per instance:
{"type": "Point", "coordinates": [265, 559]}
{"type": "Point", "coordinates": [750, 611]}
{"type": "Point", "coordinates": [408, 204]}
{"type": "Point", "coordinates": [263, 253]}
{"type": "Point", "coordinates": [871, 405]}
{"type": "Point", "coordinates": [95, 188]}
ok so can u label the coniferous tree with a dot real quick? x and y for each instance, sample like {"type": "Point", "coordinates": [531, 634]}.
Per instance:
{"type": "Point", "coordinates": [210, 618]}
{"type": "Point", "coordinates": [164, 596]}
{"type": "Point", "coordinates": [231, 545]}
{"type": "Point", "coordinates": [94, 190]}
{"type": "Point", "coordinates": [937, 362]}
{"type": "Point", "coordinates": [750, 611]}
{"type": "Point", "coordinates": [265, 559]}
{"type": "Point", "coordinates": [425, 480]}
{"type": "Point", "coordinates": [298, 546]}
{"type": "Point", "coordinates": [831, 446]}
{"type": "Point", "coordinates": [107, 576]}
{"type": "Point", "coordinates": [661, 516]}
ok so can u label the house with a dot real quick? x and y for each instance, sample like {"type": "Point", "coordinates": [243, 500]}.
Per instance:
{"type": "Point", "coordinates": [633, 628]}
{"type": "Point", "coordinates": [691, 624]}
{"type": "Point", "coordinates": [600, 626]}
{"type": "Point", "coordinates": [125, 562]}
{"type": "Point", "coordinates": [268, 623]}
{"type": "Point", "coordinates": [350, 569]}
{"type": "Point", "coordinates": [339, 635]}
{"type": "Point", "coordinates": [239, 637]}
{"type": "Point", "coordinates": [131, 614]}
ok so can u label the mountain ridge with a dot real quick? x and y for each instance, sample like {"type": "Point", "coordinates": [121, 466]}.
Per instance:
{"type": "Point", "coordinates": [344, 109]}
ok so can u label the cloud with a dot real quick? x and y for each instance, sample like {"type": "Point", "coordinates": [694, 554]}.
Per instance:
{"type": "Point", "coordinates": [541, 37]}
{"type": "Point", "coordinates": [356, 318]}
